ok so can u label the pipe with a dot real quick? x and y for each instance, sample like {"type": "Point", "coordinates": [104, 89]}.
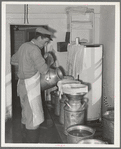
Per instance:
{"type": "Point", "coordinates": [27, 14]}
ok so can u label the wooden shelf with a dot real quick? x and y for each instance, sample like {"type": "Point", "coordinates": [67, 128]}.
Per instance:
{"type": "Point", "coordinates": [81, 26]}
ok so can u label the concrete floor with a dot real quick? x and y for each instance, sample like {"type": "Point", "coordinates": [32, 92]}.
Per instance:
{"type": "Point", "coordinates": [48, 132]}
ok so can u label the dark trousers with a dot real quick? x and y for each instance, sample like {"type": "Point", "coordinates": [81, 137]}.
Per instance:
{"type": "Point", "coordinates": [29, 135]}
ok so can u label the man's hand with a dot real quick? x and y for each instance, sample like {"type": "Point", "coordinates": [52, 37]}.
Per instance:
{"type": "Point", "coordinates": [49, 59]}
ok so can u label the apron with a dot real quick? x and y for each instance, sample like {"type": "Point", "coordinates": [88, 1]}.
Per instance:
{"type": "Point", "coordinates": [34, 97]}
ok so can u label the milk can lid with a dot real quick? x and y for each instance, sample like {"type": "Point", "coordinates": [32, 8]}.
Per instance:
{"type": "Point", "coordinates": [75, 89]}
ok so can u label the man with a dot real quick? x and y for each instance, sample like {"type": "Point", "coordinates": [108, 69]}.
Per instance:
{"type": "Point", "coordinates": [30, 65]}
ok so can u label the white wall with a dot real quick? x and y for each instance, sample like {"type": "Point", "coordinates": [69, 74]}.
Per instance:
{"type": "Point", "coordinates": [107, 38]}
{"type": "Point", "coordinates": [46, 9]}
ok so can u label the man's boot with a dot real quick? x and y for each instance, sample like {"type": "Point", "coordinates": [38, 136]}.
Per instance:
{"type": "Point", "coordinates": [32, 136]}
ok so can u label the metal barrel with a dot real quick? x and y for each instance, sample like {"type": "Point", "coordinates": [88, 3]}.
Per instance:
{"type": "Point", "coordinates": [92, 141]}
{"type": "Point", "coordinates": [77, 133]}
{"type": "Point", "coordinates": [73, 115]}
{"type": "Point", "coordinates": [53, 95]}
{"type": "Point", "coordinates": [108, 126]}
{"type": "Point", "coordinates": [51, 78]}
{"type": "Point", "coordinates": [62, 105]}
{"type": "Point", "coordinates": [57, 104]}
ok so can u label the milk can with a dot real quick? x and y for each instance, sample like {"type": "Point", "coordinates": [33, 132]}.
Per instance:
{"type": "Point", "coordinates": [74, 113]}
{"type": "Point", "coordinates": [53, 95]}
{"type": "Point", "coordinates": [57, 104]}
{"type": "Point", "coordinates": [51, 78]}
{"type": "Point", "coordinates": [108, 126]}
{"type": "Point", "coordinates": [62, 105]}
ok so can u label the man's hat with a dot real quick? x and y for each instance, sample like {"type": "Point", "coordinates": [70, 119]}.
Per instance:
{"type": "Point", "coordinates": [44, 31]}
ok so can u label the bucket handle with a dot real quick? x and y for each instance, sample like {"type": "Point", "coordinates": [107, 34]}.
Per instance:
{"type": "Point", "coordinates": [67, 104]}
{"type": "Point", "coordinates": [85, 102]}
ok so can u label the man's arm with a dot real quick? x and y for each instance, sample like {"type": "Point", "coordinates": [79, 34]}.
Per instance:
{"type": "Point", "coordinates": [39, 61]}
{"type": "Point", "coordinates": [14, 60]}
